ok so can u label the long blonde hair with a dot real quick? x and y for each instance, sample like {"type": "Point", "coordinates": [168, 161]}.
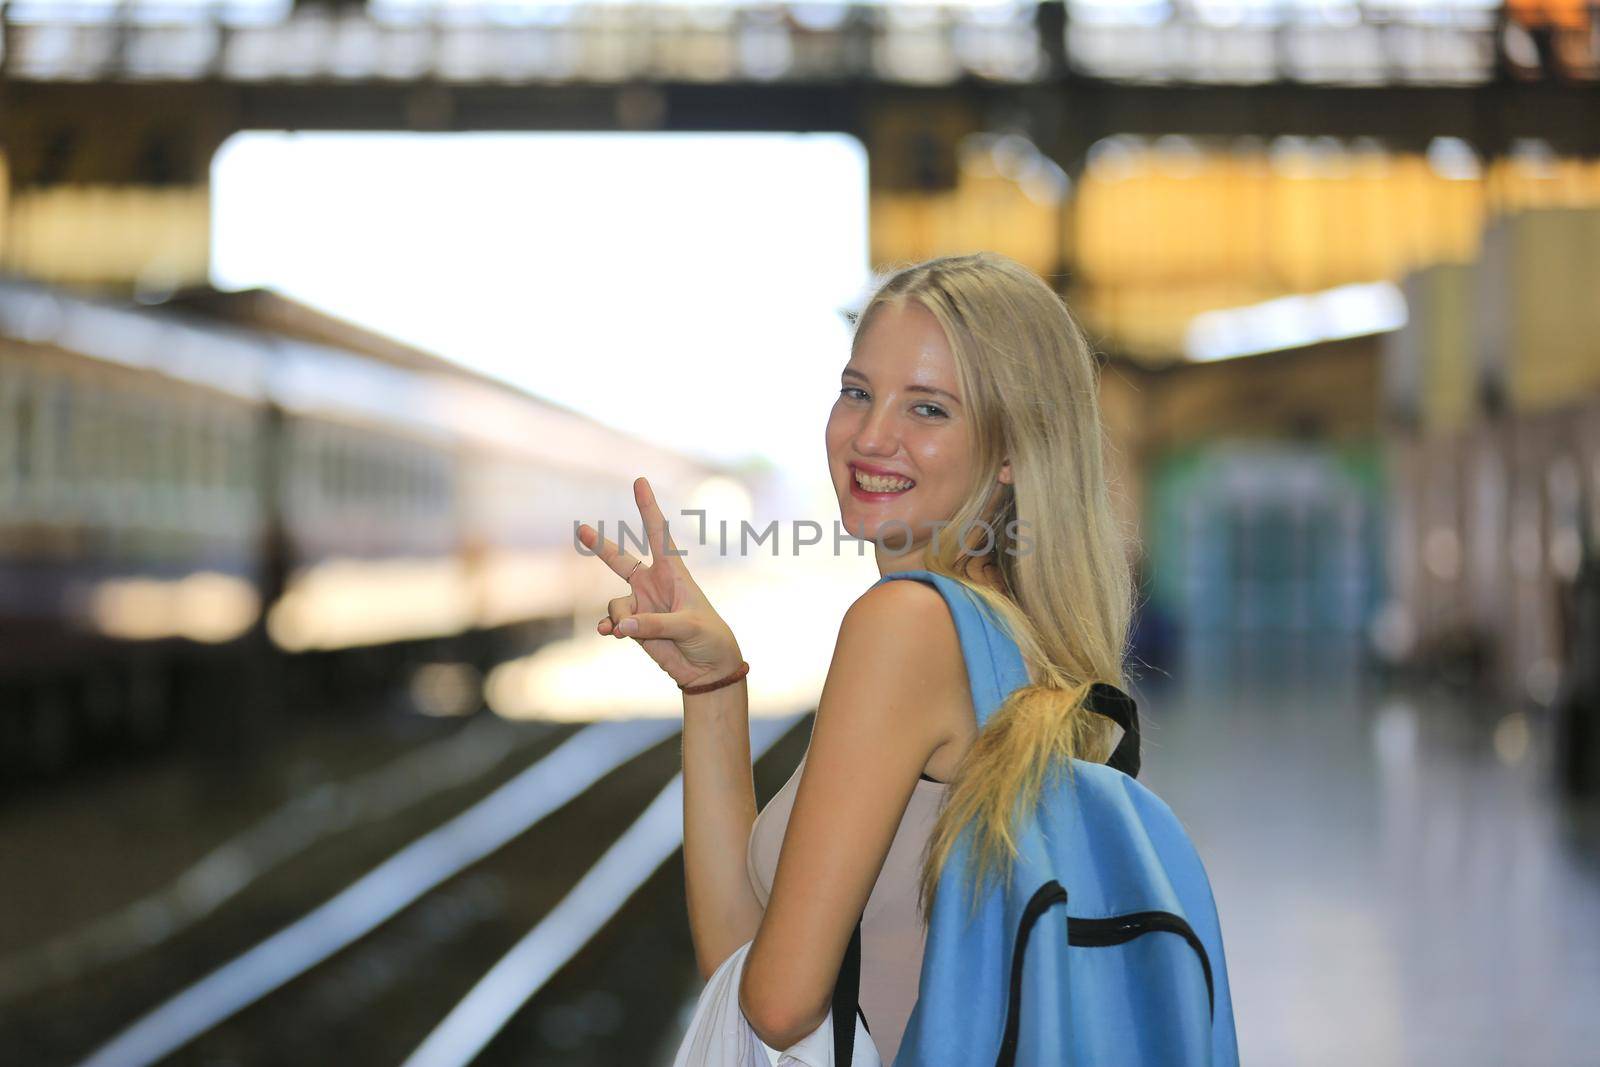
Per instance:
{"type": "Point", "coordinates": [1030, 383]}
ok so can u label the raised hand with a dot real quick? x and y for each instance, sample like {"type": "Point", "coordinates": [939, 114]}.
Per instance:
{"type": "Point", "coordinates": [665, 611]}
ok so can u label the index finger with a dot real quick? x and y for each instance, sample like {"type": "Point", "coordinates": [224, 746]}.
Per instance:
{"type": "Point", "coordinates": [611, 554]}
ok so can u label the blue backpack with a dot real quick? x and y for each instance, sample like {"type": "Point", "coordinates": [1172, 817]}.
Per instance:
{"type": "Point", "coordinates": [1106, 948]}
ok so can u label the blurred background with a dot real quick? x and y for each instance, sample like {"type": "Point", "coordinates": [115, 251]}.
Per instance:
{"type": "Point", "coordinates": [323, 323]}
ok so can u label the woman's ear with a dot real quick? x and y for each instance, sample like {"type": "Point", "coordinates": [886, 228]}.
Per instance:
{"type": "Point", "coordinates": [1005, 472]}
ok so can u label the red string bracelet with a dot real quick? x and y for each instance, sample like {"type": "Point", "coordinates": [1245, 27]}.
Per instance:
{"type": "Point", "coordinates": [744, 669]}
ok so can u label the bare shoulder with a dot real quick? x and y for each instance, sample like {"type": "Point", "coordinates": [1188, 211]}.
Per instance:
{"type": "Point", "coordinates": [908, 615]}
{"type": "Point", "coordinates": [901, 634]}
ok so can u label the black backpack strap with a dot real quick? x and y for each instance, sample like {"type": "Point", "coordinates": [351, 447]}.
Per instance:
{"type": "Point", "coordinates": [1120, 708]}
{"type": "Point", "coordinates": [846, 1002]}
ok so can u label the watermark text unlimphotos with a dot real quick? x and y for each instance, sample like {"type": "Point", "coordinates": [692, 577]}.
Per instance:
{"type": "Point", "coordinates": [895, 536]}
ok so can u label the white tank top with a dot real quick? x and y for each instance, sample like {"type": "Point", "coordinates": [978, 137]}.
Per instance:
{"type": "Point", "coordinates": [891, 935]}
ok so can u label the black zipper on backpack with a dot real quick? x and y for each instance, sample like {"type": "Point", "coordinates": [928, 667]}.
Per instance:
{"type": "Point", "coordinates": [1118, 929]}
{"type": "Point", "coordinates": [1086, 933]}
{"type": "Point", "coordinates": [1047, 895]}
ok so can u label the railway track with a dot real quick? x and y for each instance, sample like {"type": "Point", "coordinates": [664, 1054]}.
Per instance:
{"type": "Point", "coordinates": [511, 892]}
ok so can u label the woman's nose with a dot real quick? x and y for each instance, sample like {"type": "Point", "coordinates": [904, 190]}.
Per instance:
{"type": "Point", "coordinates": [876, 434]}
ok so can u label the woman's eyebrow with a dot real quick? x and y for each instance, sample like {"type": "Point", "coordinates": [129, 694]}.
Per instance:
{"type": "Point", "coordinates": [850, 372]}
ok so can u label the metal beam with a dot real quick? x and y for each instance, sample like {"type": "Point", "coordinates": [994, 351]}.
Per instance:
{"type": "Point", "coordinates": [1065, 117]}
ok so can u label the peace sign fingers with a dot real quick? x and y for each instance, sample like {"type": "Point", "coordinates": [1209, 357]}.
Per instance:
{"type": "Point", "coordinates": [664, 610]}
{"type": "Point", "coordinates": [662, 547]}
{"type": "Point", "coordinates": [622, 564]}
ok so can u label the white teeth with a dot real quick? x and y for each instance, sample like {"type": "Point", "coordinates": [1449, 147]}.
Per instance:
{"type": "Point", "coordinates": [881, 483]}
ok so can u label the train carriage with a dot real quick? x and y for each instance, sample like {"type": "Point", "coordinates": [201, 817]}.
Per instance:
{"type": "Point", "coordinates": [234, 486]}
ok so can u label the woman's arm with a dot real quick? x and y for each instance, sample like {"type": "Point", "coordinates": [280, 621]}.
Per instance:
{"type": "Point", "coordinates": [889, 701]}
{"type": "Point", "coordinates": [670, 617]}
{"type": "Point", "coordinates": [719, 809]}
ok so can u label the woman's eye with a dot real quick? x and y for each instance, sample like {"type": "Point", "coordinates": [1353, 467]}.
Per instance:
{"type": "Point", "coordinates": [854, 392]}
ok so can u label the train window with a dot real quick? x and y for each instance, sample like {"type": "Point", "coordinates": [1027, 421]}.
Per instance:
{"type": "Point", "coordinates": [377, 476]}
{"type": "Point", "coordinates": [111, 438]}
{"type": "Point", "coordinates": [206, 425]}
{"type": "Point", "coordinates": [333, 467]}
{"type": "Point", "coordinates": [321, 474]}
{"type": "Point", "coordinates": [421, 478]}
{"type": "Point", "coordinates": [357, 478]}
{"type": "Point", "coordinates": [342, 463]}
{"type": "Point", "coordinates": [184, 450]}
{"type": "Point", "coordinates": [306, 487]}
{"type": "Point", "coordinates": [60, 438]}
{"type": "Point", "coordinates": [97, 449]}
{"type": "Point", "coordinates": [197, 442]}
{"type": "Point", "coordinates": [180, 431]}
{"type": "Point", "coordinates": [377, 466]}
{"type": "Point", "coordinates": [156, 452]}
{"type": "Point", "coordinates": [114, 417]}
{"type": "Point", "coordinates": [170, 421]}
{"type": "Point", "coordinates": [388, 478]}
{"type": "Point", "coordinates": [360, 474]}
{"type": "Point", "coordinates": [349, 475]}
{"type": "Point", "coordinates": [243, 431]}
{"type": "Point", "coordinates": [82, 466]}
{"type": "Point", "coordinates": [299, 470]}
{"type": "Point", "coordinates": [404, 475]}
{"type": "Point", "coordinates": [186, 432]}
{"type": "Point", "coordinates": [140, 445]}
{"type": "Point", "coordinates": [241, 459]}
{"type": "Point", "coordinates": [129, 441]}
{"type": "Point", "coordinates": [222, 434]}
{"type": "Point", "coordinates": [161, 446]}
{"type": "Point", "coordinates": [131, 446]}
{"type": "Point", "coordinates": [8, 429]}
{"type": "Point", "coordinates": [101, 451]}
{"type": "Point", "coordinates": [28, 434]}
{"type": "Point", "coordinates": [70, 429]}
{"type": "Point", "coordinates": [155, 447]}
{"type": "Point", "coordinates": [393, 466]}
{"type": "Point", "coordinates": [91, 450]}
{"type": "Point", "coordinates": [222, 431]}
{"type": "Point", "coordinates": [323, 458]}
{"type": "Point", "coordinates": [377, 469]}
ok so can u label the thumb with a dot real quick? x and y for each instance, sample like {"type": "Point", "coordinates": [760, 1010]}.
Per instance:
{"type": "Point", "coordinates": [670, 625]}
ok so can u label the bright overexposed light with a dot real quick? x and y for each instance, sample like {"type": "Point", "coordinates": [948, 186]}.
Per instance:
{"type": "Point", "coordinates": [1295, 321]}
{"type": "Point", "coordinates": [165, 12]}
{"type": "Point", "coordinates": [1121, 12]}
{"type": "Point", "coordinates": [681, 287]}
{"type": "Point", "coordinates": [726, 504]}
{"type": "Point", "coordinates": [343, 603]}
{"type": "Point", "coordinates": [205, 606]}
{"type": "Point", "coordinates": [593, 677]}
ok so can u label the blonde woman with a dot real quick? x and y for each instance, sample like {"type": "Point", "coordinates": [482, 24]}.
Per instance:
{"type": "Point", "coordinates": [968, 419]}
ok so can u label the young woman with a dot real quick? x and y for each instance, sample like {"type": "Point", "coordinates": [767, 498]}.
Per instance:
{"type": "Point", "coordinates": [967, 417]}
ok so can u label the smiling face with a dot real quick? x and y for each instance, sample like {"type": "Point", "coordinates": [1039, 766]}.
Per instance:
{"type": "Point", "coordinates": [900, 442]}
